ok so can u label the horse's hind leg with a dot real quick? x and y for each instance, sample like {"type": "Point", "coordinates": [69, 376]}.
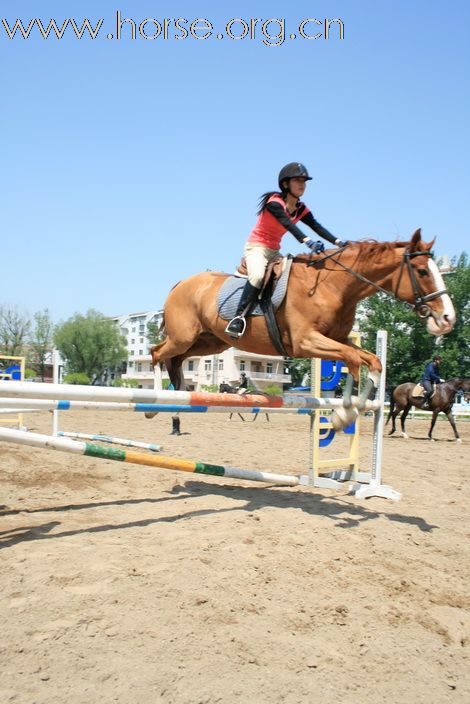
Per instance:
{"type": "Point", "coordinates": [165, 353]}
{"type": "Point", "coordinates": [433, 423]}
{"type": "Point", "coordinates": [204, 345]}
{"type": "Point", "coordinates": [402, 421]}
{"type": "Point", "coordinates": [393, 416]}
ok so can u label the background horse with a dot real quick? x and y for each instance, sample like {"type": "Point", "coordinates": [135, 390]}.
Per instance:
{"type": "Point", "coordinates": [402, 399]}
{"type": "Point", "coordinates": [318, 311]}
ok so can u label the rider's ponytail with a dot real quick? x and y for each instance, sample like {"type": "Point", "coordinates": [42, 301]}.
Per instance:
{"type": "Point", "coordinates": [263, 201]}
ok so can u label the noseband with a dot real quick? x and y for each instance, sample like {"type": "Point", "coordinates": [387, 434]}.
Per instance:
{"type": "Point", "coordinates": [420, 304]}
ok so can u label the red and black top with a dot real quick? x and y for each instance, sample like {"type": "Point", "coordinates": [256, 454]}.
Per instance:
{"type": "Point", "coordinates": [275, 220]}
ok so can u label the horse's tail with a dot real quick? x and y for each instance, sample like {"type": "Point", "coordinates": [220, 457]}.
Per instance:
{"type": "Point", "coordinates": [391, 408]}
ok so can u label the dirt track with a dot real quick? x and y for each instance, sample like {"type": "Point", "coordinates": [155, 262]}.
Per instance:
{"type": "Point", "coordinates": [128, 584]}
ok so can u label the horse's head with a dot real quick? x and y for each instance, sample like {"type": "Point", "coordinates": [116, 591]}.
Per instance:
{"type": "Point", "coordinates": [466, 388]}
{"type": "Point", "coordinates": [419, 282]}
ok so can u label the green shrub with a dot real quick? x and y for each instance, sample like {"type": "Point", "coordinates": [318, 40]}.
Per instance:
{"type": "Point", "coordinates": [210, 387]}
{"type": "Point", "coordinates": [77, 378]}
{"type": "Point", "coordinates": [273, 390]}
{"type": "Point", "coordinates": [127, 383]}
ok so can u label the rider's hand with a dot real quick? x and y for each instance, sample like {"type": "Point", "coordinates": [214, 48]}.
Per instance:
{"type": "Point", "coordinates": [341, 243]}
{"type": "Point", "coordinates": [316, 247]}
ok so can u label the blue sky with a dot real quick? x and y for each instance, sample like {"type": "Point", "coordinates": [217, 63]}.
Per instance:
{"type": "Point", "coordinates": [128, 165]}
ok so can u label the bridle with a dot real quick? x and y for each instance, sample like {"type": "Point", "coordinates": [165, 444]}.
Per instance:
{"type": "Point", "coordinates": [420, 304]}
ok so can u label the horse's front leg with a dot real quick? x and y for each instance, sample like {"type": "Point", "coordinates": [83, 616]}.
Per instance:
{"type": "Point", "coordinates": [375, 368]}
{"type": "Point", "coordinates": [314, 344]}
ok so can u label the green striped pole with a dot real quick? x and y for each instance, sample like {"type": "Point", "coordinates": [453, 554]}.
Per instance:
{"type": "Point", "coordinates": [110, 453]}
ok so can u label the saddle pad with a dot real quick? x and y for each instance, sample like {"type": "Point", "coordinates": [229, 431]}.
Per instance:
{"type": "Point", "coordinates": [231, 292]}
{"type": "Point", "coordinates": [418, 391]}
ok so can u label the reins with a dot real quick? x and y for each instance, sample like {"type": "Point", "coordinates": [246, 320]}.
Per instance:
{"type": "Point", "coordinates": [419, 305]}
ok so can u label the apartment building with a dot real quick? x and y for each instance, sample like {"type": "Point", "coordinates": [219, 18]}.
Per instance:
{"type": "Point", "coordinates": [199, 372]}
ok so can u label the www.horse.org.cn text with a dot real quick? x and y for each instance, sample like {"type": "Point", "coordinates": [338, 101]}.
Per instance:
{"type": "Point", "coordinates": [270, 32]}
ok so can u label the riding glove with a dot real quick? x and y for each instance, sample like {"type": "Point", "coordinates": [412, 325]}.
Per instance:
{"type": "Point", "coordinates": [341, 243]}
{"type": "Point", "coordinates": [316, 247]}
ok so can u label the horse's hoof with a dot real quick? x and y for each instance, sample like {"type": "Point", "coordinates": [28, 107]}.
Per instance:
{"type": "Point", "coordinates": [404, 435]}
{"type": "Point", "coordinates": [458, 440]}
{"type": "Point", "coordinates": [342, 417]}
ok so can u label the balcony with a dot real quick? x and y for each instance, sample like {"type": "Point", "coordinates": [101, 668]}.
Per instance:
{"type": "Point", "coordinates": [252, 355]}
{"type": "Point", "coordinates": [265, 376]}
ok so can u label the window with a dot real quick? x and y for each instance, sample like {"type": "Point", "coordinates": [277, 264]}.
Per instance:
{"type": "Point", "coordinates": [242, 365]}
{"type": "Point", "coordinates": [133, 341]}
{"type": "Point", "coordinates": [207, 365]}
{"type": "Point", "coordinates": [141, 352]}
{"type": "Point", "coordinates": [191, 365]}
{"type": "Point", "coordinates": [133, 329]}
{"type": "Point", "coordinates": [139, 367]}
{"type": "Point", "coordinates": [141, 340]}
{"type": "Point", "coordinates": [131, 364]}
{"type": "Point", "coordinates": [221, 365]}
{"type": "Point", "coordinates": [269, 367]}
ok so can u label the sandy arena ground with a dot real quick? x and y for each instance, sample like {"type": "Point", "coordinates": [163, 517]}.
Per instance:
{"type": "Point", "coordinates": [135, 585]}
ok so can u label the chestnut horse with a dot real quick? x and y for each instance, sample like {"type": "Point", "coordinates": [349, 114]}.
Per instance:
{"type": "Point", "coordinates": [318, 311]}
{"type": "Point", "coordinates": [402, 399]}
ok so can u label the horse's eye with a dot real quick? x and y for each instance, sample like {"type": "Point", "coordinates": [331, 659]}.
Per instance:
{"type": "Point", "coordinates": [423, 272]}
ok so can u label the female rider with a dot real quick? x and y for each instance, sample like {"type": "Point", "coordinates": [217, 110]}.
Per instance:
{"type": "Point", "coordinates": [278, 213]}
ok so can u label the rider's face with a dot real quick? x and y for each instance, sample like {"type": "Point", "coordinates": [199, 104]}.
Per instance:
{"type": "Point", "coordinates": [297, 186]}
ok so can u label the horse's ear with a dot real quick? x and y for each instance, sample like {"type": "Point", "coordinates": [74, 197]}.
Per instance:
{"type": "Point", "coordinates": [416, 240]}
{"type": "Point", "coordinates": [427, 247]}
{"type": "Point", "coordinates": [418, 245]}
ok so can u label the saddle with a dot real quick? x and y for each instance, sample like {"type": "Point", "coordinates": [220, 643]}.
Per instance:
{"type": "Point", "coordinates": [271, 296]}
{"type": "Point", "coordinates": [274, 270]}
{"type": "Point", "coordinates": [418, 391]}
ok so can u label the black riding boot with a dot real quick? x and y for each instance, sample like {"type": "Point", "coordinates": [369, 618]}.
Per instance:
{"type": "Point", "coordinates": [426, 400]}
{"type": "Point", "coordinates": [237, 325]}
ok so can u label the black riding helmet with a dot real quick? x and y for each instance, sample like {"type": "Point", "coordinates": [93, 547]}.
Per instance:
{"type": "Point", "coordinates": [293, 170]}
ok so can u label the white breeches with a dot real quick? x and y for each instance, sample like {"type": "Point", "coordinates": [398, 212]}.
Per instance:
{"type": "Point", "coordinates": [257, 258]}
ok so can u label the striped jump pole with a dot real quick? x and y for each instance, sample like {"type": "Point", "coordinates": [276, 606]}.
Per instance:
{"type": "Point", "coordinates": [111, 453]}
{"type": "Point", "coordinates": [28, 390]}
{"type": "Point", "coordinates": [111, 439]}
{"type": "Point", "coordinates": [67, 405]}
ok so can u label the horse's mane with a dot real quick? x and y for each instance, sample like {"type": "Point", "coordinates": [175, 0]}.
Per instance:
{"type": "Point", "coordinates": [366, 248]}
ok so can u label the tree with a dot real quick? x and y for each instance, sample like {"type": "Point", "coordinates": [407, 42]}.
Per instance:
{"type": "Point", "coordinates": [90, 344]}
{"type": "Point", "coordinates": [456, 348]}
{"type": "Point", "coordinates": [299, 369]}
{"type": "Point", "coordinates": [14, 329]}
{"type": "Point", "coordinates": [155, 333]}
{"type": "Point", "coordinates": [40, 344]}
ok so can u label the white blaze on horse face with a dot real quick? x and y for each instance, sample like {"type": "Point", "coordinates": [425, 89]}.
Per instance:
{"type": "Point", "coordinates": [444, 322]}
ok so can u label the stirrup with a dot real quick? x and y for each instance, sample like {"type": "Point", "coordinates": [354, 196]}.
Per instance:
{"type": "Point", "coordinates": [233, 333]}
